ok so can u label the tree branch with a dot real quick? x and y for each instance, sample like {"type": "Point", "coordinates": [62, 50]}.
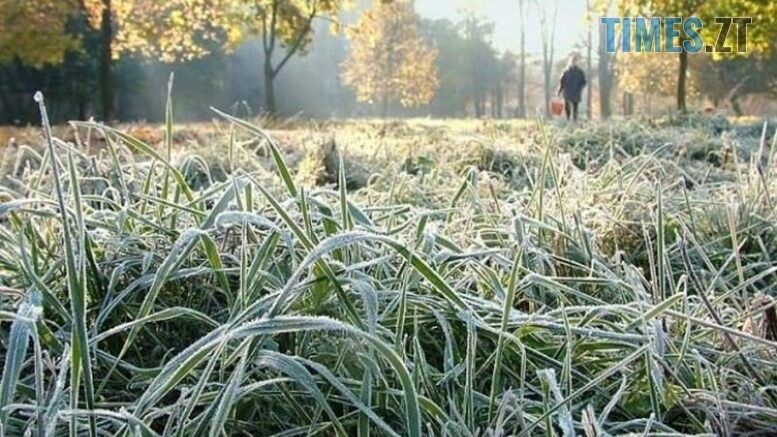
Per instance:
{"type": "Point", "coordinates": [297, 42]}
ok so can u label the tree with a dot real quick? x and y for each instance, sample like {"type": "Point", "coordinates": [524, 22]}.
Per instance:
{"type": "Point", "coordinates": [760, 37]}
{"type": "Point", "coordinates": [106, 58]}
{"type": "Point", "coordinates": [606, 73]}
{"type": "Point", "coordinates": [589, 105]}
{"type": "Point", "coordinates": [637, 74]}
{"type": "Point", "coordinates": [522, 64]}
{"type": "Point", "coordinates": [480, 58]}
{"type": "Point", "coordinates": [678, 8]}
{"type": "Point", "coordinates": [32, 34]}
{"type": "Point", "coordinates": [728, 80]}
{"type": "Point", "coordinates": [548, 32]}
{"type": "Point", "coordinates": [742, 72]}
{"type": "Point", "coordinates": [471, 71]}
{"type": "Point", "coordinates": [169, 31]}
{"type": "Point", "coordinates": [37, 32]}
{"type": "Point", "coordinates": [282, 24]}
{"type": "Point", "coordinates": [504, 76]}
{"type": "Point", "coordinates": [606, 61]}
{"type": "Point", "coordinates": [452, 65]}
{"type": "Point", "coordinates": [389, 58]}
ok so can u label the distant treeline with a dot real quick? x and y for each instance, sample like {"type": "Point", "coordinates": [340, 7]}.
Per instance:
{"type": "Point", "coordinates": [472, 77]}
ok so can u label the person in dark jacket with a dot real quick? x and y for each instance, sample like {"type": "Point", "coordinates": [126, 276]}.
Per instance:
{"type": "Point", "coordinates": [571, 85]}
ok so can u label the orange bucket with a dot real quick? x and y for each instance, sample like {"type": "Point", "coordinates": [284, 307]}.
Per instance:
{"type": "Point", "coordinates": [556, 107]}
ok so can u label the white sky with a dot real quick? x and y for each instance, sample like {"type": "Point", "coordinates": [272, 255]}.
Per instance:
{"type": "Point", "coordinates": [570, 25]}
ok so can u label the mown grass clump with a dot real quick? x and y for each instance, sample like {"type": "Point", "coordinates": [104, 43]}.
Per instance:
{"type": "Point", "coordinates": [188, 295]}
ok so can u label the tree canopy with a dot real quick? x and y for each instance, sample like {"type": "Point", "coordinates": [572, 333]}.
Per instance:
{"type": "Point", "coordinates": [389, 58]}
{"type": "Point", "coordinates": [35, 32]}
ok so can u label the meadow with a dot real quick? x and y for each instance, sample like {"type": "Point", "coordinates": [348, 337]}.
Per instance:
{"type": "Point", "coordinates": [415, 277]}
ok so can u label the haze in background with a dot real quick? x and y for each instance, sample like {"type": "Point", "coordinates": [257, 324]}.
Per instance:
{"type": "Point", "coordinates": [570, 25]}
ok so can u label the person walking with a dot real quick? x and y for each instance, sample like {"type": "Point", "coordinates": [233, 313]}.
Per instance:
{"type": "Point", "coordinates": [571, 85]}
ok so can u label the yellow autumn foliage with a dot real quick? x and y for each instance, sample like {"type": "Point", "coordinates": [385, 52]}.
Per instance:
{"type": "Point", "coordinates": [389, 58]}
{"type": "Point", "coordinates": [34, 31]}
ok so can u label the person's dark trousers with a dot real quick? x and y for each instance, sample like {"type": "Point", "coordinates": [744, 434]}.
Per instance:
{"type": "Point", "coordinates": [570, 107]}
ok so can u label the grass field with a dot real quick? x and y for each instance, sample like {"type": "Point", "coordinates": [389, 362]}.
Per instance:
{"type": "Point", "coordinates": [406, 278]}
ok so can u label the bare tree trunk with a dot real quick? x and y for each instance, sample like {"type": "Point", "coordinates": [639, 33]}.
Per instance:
{"type": "Point", "coordinates": [589, 106]}
{"type": "Point", "coordinates": [681, 87]}
{"type": "Point", "coordinates": [3, 107]}
{"type": "Point", "coordinates": [269, 87]}
{"type": "Point", "coordinates": [522, 66]}
{"type": "Point", "coordinates": [480, 107]}
{"type": "Point", "coordinates": [106, 55]}
{"type": "Point", "coordinates": [81, 107]}
{"type": "Point", "coordinates": [548, 48]}
{"type": "Point", "coordinates": [605, 78]}
{"type": "Point", "coordinates": [269, 40]}
{"type": "Point", "coordinates": [628, 103]}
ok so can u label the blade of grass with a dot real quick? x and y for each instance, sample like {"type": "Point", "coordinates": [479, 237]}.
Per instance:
{"type": "Point", "coordinates": [76, 276]}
